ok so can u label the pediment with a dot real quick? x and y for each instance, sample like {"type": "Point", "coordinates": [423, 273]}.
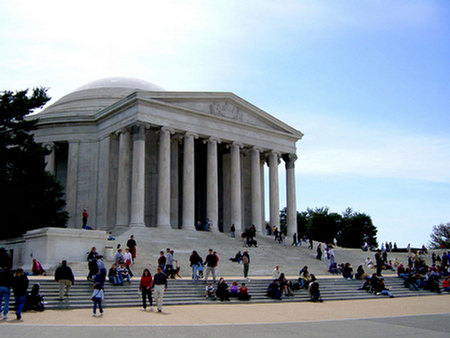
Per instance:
{"type": "Point", "coordinates": [228, 106]}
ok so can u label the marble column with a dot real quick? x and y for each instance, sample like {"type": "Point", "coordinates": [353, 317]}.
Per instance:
{"type": "Point", "coordinates": [72, 185]}
{"type": "Point", "coordinates": [290, 194]}
{"type": "Point", "coordinates": [256, 187]}
{"type": "Point", "coordinates": [189, 182]}
{"type": "Point", "coordinates": [273, 190]}
{"type": "Point", "coordinates": [175, 197]}
{"type": "Point", "coordinates": [50, 158]}
{"type": "Point", "coordinates": [123, 180]}
{"type": "Point", "coordinates": [138, 177]}
{"type": "Point", "coordinates": [263, 192]}
{"type": "Point", "coordinates": [235, 191]}
{"type": "Point", "coordinates": [163, 214]}
{"type": "Point", "coordinates": [212, 188]}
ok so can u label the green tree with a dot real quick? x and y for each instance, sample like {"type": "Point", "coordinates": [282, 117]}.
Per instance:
{"type": "Point", "coordinates": [440, 237]}
{"type": "Point", "coordinates": [321, 225]}
{"type": "Point", "coordinates": [32, 198]}
{"type": "Point", "coordinates": [355, 228]}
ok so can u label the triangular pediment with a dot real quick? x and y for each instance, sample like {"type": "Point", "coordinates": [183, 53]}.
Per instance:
{"type": "Point", "coordinates": [227, 106]}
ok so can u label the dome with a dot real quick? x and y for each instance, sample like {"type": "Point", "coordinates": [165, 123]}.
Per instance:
{"type": "Point", "coordinates": [97, 95]}
{"type": "Point", "coordinates": [121, 82]}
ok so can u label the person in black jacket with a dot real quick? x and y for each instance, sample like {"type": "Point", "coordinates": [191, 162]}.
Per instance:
{"type": "Point", "coordinates": [64, 276]}
{"type": "Point", "coordinates": [210, 262]}
{"type": "Point", "coordinates": [195, 261]}
{"type": "Point", "coordinates": [159, 286]}
{"type": "Point", "coordinates": [20, 287]}
{"type": "Point", "coordinates": [5, 293]}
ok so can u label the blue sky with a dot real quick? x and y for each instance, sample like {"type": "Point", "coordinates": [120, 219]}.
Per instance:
{"type": "Point", "coordinates": [367, 82]}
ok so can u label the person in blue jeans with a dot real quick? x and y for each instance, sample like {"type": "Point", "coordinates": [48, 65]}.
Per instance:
{"type": "Point", "coordinates": [5, 285]}
{"type": "Point", "coordinates": [195, 261]}
{"type": "Point", "coordinates": [20, 287]}
{"type": "Point", "coordinates": [97, 297]}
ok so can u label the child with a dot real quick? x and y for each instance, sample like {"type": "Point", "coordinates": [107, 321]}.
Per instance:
{"type": "Point", "coordinates": [97, 298]}
{"type": "Point", "coordinates": [210, 292]}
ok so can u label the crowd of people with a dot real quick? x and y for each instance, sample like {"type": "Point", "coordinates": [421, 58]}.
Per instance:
{"type": "Point", "coordinates": [415, 273]}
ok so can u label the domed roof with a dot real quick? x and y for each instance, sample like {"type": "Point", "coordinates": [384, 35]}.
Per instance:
{"type": "Point", "coordinates": [121, 82]}
{"type": "Point", "coordinates": [97, 95]}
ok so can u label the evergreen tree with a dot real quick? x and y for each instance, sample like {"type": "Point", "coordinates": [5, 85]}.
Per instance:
{"type": "Point", "coordinates": [32, 198]}
{"type": "Point", "coordinates": [356, 228]}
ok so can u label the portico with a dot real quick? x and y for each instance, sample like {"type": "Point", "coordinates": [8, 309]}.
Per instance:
{"type": "Point", "coordinates": [136, 155]}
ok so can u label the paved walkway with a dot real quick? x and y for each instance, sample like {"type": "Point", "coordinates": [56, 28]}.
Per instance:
{"type": "Point", "coordinates": [225, 314]}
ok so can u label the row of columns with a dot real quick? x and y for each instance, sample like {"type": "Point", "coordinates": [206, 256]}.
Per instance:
{"type": "Point", "coordinates": [131, 197]}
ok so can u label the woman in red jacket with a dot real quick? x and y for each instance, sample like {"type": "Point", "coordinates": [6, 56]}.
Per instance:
{"type": "Point", "coordinates": [145, 287]}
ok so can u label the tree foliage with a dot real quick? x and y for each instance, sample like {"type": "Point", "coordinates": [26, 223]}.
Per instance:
{"type": "Point", "coordinates": [440, 237]}
{"type": "Point", "coordinates": [350, 229]}
{"type": "Point", "coordinates": [32, 198]}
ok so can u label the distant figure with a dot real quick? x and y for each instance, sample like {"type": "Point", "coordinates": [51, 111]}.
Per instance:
{"type": "Point", "coordinates": [97, 297]}
{"type": "Point", "coordinates": [159, 287]}
{"type": "Point", "coordinates": [145, 286]}
{"type": "Point", "coordinates": [319, 252]}
{"type": "Point", "coordinates": [5, 284]}
{"type": "Point", "coordinates": [111, 237]}
{"type": "Point", "coordinates": [34, 301]}
{"type": "Point", "coordinates": [20, 286]}
{"type": "Point", "coordinates": [233, 231]}
{"type": "Point", "coordinates": [36, 268]}
{"type": "Point", "coordinates": [246, 263]}
{"type": "Point", "coordinates": [276, 272]}
{"type": "Point", "coordinates": [131, 244]}
{"type": "Point", "coordinates": [84, 218]}
{"type": "Point", "coordinates": [294, 239]}
{"type": "Point", "coordinates": [64, 277]}
{"type": "Point", "coordinates": [313, 290]}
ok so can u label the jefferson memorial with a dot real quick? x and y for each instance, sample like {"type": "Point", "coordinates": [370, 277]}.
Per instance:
{"type": "Point", "coordinates": [133, 154]}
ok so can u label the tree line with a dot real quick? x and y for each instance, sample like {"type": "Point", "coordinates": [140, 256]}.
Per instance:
{"type": "Point", "coordinates": [351, 229]}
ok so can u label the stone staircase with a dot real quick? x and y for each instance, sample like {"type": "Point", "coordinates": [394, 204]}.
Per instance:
{"type": "Point", "coordinates": [185, 292]}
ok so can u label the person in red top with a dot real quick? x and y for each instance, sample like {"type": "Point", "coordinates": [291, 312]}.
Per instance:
{"type": "Point", "coordinates": [243, 293]}
{"type": "Point", "coordinates": [84, 217]}
{"type": "Point", "coordinates": [145, 286]}
{"type": "Point", "coordinates": [446, 284]}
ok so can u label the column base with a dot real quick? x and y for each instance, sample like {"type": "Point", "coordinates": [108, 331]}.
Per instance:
{"type": "Point", "coordinates": [164, 226]}
{"type": "Point", "coordinates": [141, 225]}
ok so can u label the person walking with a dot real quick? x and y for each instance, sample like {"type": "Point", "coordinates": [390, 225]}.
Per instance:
{"type": "Point", "coordinates": [145, 287]}
{"type": "Point", "coordinates": [97, 297]}
{"type": "Point", "coordinates": [131, 244]}
{"type": "Point", "coordinates": [210, 262]}
{"type": "Point", "coordinates": [5, 293]}
{"type": "Point", "coordinates": [159, 287]}
{"type": "Point", "coordinates": [92, 263]}
{"type": "Point", "coordinates": [246, 263]}
{"type": "Point", "coordinates": [64, 277]}
{"type": "Point", "coordinates": [101, 274]}
{"type": "Point", "coordinates": [195, 261]}
{"type": "Point", "coordinates": [20, 287]}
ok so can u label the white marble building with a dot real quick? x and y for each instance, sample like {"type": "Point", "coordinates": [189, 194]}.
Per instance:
{"type": "Point", "coordinates": [134, 154]}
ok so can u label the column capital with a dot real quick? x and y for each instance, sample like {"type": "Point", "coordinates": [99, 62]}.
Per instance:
{"type": "Point", "coordinates": [188, 134]}
{"type": "Point", "coordinates": [256, 148]}
{"type": "Point", "coordinates": [273, 153]}
{"type": "Point", "coordinates": [177, 137]}
{"type": "Point", "coordinates": [233, 144]}
{"type": "Point", "coordinates": [170, 130]}
{"type": "Point", "coordinates": [48, 145]}
{"type": "Point", "coordinates": [212, 139]}
{"type": "Point", "coordinates": [138, 131]}
{"type": "Point", "coordinates": [290, 160]}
